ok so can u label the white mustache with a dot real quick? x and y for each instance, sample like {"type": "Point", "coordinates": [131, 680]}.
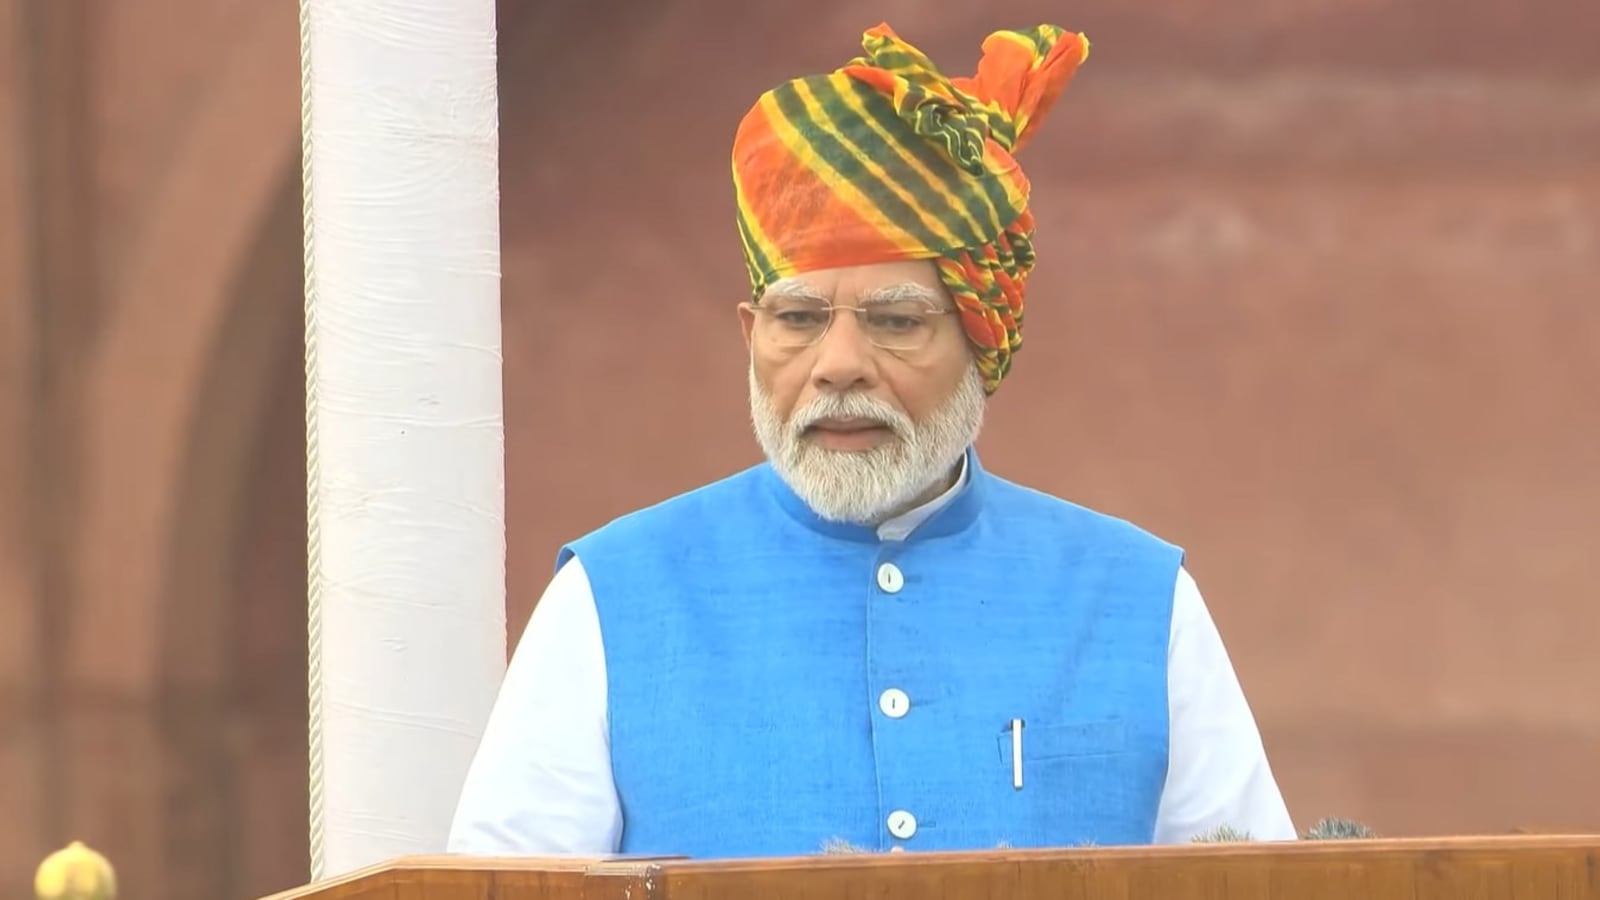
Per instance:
{"type": "Point", "coordinates": [851, 406]}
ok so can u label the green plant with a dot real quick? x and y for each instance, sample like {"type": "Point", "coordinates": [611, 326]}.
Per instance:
{"type": "Point", "coordinates": [1338, 830]}
{"type": "Point", "coordinates": [835, 845]}
{"type": "Point", "coordinates": [1223, 834]}
{"type": "Point", "coordinates": [1329, 829]}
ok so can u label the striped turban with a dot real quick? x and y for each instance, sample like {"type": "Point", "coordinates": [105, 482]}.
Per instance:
{"type": "Point", "coordinates": [887, 159]}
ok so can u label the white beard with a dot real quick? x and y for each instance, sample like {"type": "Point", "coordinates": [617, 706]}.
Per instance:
{"type": "Point", "coordinates": [870, 486]}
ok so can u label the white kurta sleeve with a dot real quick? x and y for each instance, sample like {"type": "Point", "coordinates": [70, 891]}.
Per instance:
{"type": "Point", "coordinates": [1217, 771]}
{"type": "Point", "coordinates": [541, 784]}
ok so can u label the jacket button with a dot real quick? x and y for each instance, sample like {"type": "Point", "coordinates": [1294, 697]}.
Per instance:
{"type": "Point", "coordinates": [894, 703]}
{"type": "Point", "coordinates": [890, 578]}
{"type": "Point", "coordinates": [902, 824]}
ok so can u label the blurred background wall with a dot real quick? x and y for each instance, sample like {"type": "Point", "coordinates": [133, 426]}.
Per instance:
{"type": "Point", "coordinates": [1319, 298]}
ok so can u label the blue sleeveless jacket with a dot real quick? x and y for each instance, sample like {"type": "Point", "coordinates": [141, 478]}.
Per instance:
{"type": "Point", "coordinates": [777, 681]}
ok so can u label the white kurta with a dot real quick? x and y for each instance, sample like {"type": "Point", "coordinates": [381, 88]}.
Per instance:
{"type": "Point", "coordinates": [541, 781]}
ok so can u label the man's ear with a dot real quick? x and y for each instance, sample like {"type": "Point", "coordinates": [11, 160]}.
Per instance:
{"type": "Point", "coordinates": [747, 321]}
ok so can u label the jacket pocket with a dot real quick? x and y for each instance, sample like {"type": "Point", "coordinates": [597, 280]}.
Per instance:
{"type": "Point", "coordinates": [1044, 742]}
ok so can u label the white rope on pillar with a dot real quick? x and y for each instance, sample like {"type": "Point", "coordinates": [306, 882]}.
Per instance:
{"type": "Point", "coordinates": [404, 433]}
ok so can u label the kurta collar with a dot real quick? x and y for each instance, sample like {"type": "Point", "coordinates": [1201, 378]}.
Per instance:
{"type": "Point", "coordinates": [946, 514]}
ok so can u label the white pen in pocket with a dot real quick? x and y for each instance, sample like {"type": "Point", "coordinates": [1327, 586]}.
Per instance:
{"type": "Point", "coordinates": [1016, 754]}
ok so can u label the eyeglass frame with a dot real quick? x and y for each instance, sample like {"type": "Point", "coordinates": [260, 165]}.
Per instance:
{"type": "Point", "coordinates": [874, 300]}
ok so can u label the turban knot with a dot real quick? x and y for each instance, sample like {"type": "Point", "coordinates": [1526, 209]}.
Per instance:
{"type": "Point", "coordinates": [886, 160]}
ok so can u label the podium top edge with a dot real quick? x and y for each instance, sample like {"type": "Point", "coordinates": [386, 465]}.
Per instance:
{"type": "Point", "coordinates": [1377, 846]}
{"type": "Point", "coordinates": [1463, 849]}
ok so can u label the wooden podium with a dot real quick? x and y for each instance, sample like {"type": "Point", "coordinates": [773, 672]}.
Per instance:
{"type": "Point", "coordinates": [1490, 868]}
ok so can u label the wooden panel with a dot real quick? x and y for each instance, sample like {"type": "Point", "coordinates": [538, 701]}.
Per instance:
{"type": "Point", "coordinates": [1500, 868]}
{"type": "Point", "coordinates": [1446, 869]}
{"type": "Point", "coordinates": [464, 878]}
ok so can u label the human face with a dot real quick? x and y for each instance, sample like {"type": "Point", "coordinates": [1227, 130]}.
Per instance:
{"type": "Point", "coordinates": [861, 432]}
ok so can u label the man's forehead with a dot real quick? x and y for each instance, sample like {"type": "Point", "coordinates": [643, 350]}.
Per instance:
{"type": "Point", "coordinates": [796, 288]}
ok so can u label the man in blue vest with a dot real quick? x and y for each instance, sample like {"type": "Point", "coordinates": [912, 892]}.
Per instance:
{"type": "Point", "coordinates": [869, 639]}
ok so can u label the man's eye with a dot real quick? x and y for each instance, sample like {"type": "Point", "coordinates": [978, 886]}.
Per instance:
{"type": "Point", "coordinates": [897, 323]}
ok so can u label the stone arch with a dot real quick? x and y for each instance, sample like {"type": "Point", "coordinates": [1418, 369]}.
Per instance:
{"type": "Point", "coordinates": [145, 555]}
{"type": "Point", "coordinates": [160, 336]}
{"type": "Point", "coordinates": [231, 711]}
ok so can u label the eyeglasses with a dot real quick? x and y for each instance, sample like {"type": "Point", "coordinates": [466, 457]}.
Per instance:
{"type": "Point", "coordinates": [903, 326]}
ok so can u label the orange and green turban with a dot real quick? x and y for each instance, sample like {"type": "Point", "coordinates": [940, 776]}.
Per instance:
{"type": "Point", "coordinates": [886, 159]}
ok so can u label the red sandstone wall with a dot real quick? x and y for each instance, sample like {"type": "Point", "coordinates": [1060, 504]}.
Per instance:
{"type": "Point", "coordinates": [1316, 299]}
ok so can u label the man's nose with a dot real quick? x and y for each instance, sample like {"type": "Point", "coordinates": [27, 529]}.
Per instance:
{"type": "Point", "coordinates": [845, 358]}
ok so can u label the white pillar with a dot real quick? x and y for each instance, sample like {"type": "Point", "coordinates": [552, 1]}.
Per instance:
{"type": "Point", "coordinates": [405, 468]}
